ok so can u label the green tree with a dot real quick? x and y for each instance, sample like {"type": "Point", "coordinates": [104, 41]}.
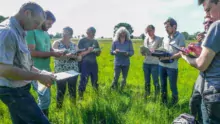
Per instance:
{"type": "Point", "coordinates": [186, 35]}
{"type": "Point", "coordinates": [58, 35]}
{"type": "Point", "coordinates": [2, 18]}
{"type": "Point", "coordinates": [123, 24]}
{"type": "Point", "coordinates": [142, 36]}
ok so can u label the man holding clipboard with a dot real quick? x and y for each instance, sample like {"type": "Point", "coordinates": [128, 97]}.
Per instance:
{"type": "Point", "coordinates": [170, 69]}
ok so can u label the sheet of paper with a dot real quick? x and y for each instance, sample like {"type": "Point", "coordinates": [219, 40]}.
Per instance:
{"type": "Point", "coordinates": [67, 74]}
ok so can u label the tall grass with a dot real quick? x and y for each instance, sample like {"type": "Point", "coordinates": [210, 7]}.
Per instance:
{"type": "Point", "coordinates": [119, 107]}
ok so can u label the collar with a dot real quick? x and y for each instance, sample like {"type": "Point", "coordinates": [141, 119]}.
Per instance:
{"type": "Point", "coordinates": [174, 36]}
{"type": "Point", "coordinates": [13, 22]}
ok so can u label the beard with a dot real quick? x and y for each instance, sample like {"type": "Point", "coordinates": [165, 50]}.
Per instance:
{"type": "Point", "coordinates": [44, 28]}
{"type": "Point", "coordinates": [169, 32]}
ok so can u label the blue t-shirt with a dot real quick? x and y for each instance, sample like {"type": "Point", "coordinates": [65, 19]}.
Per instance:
{"type": "Point", "coordinates": [212, 41]}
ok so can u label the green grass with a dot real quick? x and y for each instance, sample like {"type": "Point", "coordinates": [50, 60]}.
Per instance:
{"type": "Point", "coordinates": [119, 107]}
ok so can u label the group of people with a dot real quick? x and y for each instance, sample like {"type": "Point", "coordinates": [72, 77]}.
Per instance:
{"type": "Point", "coordinates": [25, 51]}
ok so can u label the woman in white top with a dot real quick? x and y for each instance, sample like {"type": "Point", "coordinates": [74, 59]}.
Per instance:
{"type": "Point", "coordinates": [150, 66]}
{"type": "Point", "coordinates": [66, 63]}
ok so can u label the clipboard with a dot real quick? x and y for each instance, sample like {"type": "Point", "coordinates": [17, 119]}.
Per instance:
{"type": "Point", "coordinates": [121, 52]}
{"type": "Point", "coordinates": [66, 74]}
{"type": "Point", "coordinates": [179, 49]}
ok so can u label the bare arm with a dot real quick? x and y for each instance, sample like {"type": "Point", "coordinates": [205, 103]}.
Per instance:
{"type": "Point", "coordinates": [17, 74]}
{"type": "Point", "coordinates": [14, 73]}
{"type": "Point", "coordinates": [36, 70]}
{"type": "Point", "coordinates": [203, 61]}
{"type": "Point", "coordinates": [40, 54]}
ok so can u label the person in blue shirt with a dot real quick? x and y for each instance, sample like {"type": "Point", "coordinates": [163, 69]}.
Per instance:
{"type": "Point", "coordinates": [122, 49]}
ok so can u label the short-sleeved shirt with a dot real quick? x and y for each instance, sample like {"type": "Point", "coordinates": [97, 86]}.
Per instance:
{"type": "Point", "coordinates": [42, 43]}
{"type": "Point", "coordinates": [212, 41]}
{"type": "Point", "coordinates": [14, 50]}
{"type": "Point", "coordinates": [152, 44]}
{"type": "Point", "coordinates": [85, 43]}
{"type": "Point", "coordinates": [127, 46]}
{"type": "Point", "coordinates": [66, 64]}
{"type": "Point", "coordinates": [179, 40]}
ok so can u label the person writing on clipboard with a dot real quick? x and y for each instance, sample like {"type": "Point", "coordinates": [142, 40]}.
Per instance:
{"type": "Point", "coordinates": [89, 65]}
{"type": "Point", "coordinates": [68, 62]}
{"type": "Point", "coordinates": [122, 48]}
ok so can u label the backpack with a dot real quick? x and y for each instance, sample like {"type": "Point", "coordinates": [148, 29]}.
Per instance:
{"type": "Point", "coordinates": [185, 119]}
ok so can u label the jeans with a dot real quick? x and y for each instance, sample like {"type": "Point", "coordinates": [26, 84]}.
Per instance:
{"type": "Point", "coordinates": [118, 69]}
{"type": "Point", "coordinates": [211, 108]}
{"type": "Point", "coordinates": [88, 69]}
{"type": "Point", "coordinates": [61, 89]}
{"type": "Point", "coordinates": [22, 106]}
{"type": "Point", "coordinates": [172, 74]}
{"type": "Point", "coordinates": [209, 101]}
{"type": "Point", "coordinates": [154, 70]}
{"type": "Point", "coordinates": [43, 100]}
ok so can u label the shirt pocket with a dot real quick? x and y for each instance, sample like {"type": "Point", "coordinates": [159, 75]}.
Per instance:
{"type": "Point", "coordinates": [24, 58]}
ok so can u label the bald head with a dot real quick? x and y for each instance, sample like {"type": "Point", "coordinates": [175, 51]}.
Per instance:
{"type": "Point", "coordinates": [33, 7]}
{"type": "Point", "coordinates": [31, 15]}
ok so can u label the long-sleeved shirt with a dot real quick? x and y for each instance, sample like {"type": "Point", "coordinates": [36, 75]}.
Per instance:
{"type": "Point", "coordinates": [127, 46]}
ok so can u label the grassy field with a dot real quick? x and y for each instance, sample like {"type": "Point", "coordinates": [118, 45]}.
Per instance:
{"type": "Point", "coordinates": [119, 107]}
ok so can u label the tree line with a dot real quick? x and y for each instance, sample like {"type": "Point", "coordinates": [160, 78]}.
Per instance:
{"type": "Point", "coordinates": [116, 27]}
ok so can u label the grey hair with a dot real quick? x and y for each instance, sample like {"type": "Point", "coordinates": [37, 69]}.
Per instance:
{"type": "Point", "coordinates": [69, 29]}
{"type": "Point", "coordinates": [119, 31]}
{"type": "Point", "coordinates": [35, 8]}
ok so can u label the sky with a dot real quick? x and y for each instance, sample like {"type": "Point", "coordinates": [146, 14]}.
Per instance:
{"type": "Point", "coordinates": [105, 14]}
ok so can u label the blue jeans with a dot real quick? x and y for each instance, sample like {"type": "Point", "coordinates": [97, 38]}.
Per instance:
{"type": "Point", "coordinates": [172, 74]}
{"type": "Point", "coordinates": [88, 70]}
{"type": "Point", "coordinates": [118, 69]}
{"type": "Point", "coordinates": [148, 70]}
{"type": "Point", "coordinates": [43, 100]}
{"type": "Point", "coordinates": [61, 89]}
{"type": "Point", "coordinates": [22, 106]}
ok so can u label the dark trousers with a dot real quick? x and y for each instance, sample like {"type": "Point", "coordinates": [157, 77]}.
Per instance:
{"type": "Point", "coordinates": [118, 69]}
{"type": "Point", "coordinates": [22, 106]}
{"type": "Point", "coordinates": [172, 74]}
{"type": "Point", "coordinates": [61, 89]}
{"type": "Point", "coordinates": [88, 70]}
{"type": "Point", "coordinates": [195, 105]}
{"type": "Point", "coordinates": [151, 69]}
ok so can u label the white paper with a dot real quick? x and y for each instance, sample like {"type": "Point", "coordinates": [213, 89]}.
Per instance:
{"type": "Point", "coordinates": [41, 88]}
{"type": "Point", "coordinates": [67, 74]}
